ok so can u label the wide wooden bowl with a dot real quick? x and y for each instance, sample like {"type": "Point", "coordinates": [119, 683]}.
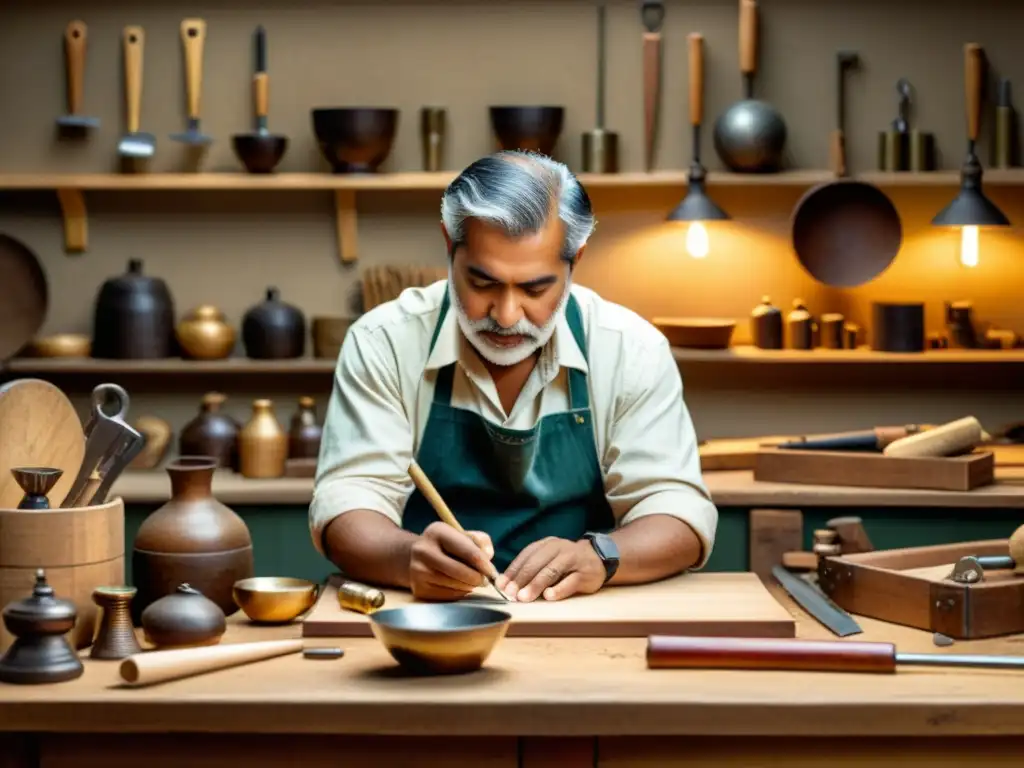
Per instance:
{"type": "Point", "coordinates": [696, 332]}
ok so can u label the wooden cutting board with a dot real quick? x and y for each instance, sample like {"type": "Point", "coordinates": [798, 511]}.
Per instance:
{"type": "Point", "coordinates": [735, 453]}
{"type": "Point", "coordinates": [708, 604]}
{"type": "Point", "coordinates": [39, 427]}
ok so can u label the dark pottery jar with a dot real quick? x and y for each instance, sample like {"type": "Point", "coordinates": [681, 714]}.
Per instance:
{"type": "Point", "coordinates": [211, 433]}
{"type": "Point", "coordinates": [305, 431]}
{"type": "Point", "coordinates": [134, 317]}
{"type": "Point", "coordinates": [192, 539]}
{"type": "Point", "coordinates": [766, 325]}
{"type": "Point", "coordinates": [183, 619]}
{"type": "Point", "coordinates": [274, 329]}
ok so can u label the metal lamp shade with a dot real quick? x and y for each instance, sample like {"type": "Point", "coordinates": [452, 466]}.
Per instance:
{"type": "Point", "coordinates": [697, 206]}
{"type": "Point", "coordinates": [970, 208]}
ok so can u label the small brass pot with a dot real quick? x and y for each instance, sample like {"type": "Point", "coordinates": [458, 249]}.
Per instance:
{"type": "Point", "coordinates": [205, 335]}
{"type": "Point", "coordinates": [275, 599]}
{"type": "Point", "coordinates": [60, 345]}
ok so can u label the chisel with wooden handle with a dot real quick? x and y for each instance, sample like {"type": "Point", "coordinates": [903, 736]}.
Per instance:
{"type": "Point", "coordinates": [875, 439]}
{"type": "Point", "coordinates": [669, 652]}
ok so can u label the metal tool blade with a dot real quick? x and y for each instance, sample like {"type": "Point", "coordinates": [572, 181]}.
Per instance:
{"type": "Point", "coordinates": [192, 134]}
{"type": "Point", "coordinates": [130, 446]}
{"type": "Point", "coordinates": [137, 145]}
{"type": "Point", "coordinates": [817, 603]}
{"type": "Point", "coordinates": [960, 660]}
{"type": "Point", "coordinates": [78, 121]}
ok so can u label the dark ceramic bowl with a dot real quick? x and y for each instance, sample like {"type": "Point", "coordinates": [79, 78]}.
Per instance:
{"type": "Point", "coordinates": [528, 128]}
{"type": "Point", "coordinates": [355, 139]}
{"type": "Point", "coordinates": [259, 153]}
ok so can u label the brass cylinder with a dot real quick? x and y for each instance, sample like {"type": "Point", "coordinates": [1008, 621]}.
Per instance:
{"type": "Point", "coordinates": [354, 596]}
{"type": "Point", "coordinates": [600, 151]}
{"type": "Point", "coordinates": [832, 330]}
{"type": "Point", "coordinates": [851, 335]}
{"type": "Point", "coordinates": [922, 151]}
{"type": "Point", "coordinates": [432, 133]}
{"type": "Point", "coordinates": [892, 151]}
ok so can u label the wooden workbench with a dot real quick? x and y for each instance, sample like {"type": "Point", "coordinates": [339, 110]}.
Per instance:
{"type": "Point", "coordinates": [557, 702]}
{"type": "Point", "coordinates": [728, 489]}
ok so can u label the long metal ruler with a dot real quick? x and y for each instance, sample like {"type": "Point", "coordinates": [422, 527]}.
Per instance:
{"type": "Point", "coordinates": [817, 603]}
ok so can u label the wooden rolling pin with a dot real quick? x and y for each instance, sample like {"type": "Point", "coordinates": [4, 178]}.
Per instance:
{"type": "Point", "coordinates": [949, 439]}
{"type": "Point", "coordinates": [665, 652]}
{"type": "Point", "coordinates": [422, 482]}
{"type": "Point", "coordinates": [158, 666]}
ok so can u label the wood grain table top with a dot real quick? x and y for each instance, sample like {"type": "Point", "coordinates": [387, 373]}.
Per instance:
{"type": "Point", "coordinates": [542, 686]}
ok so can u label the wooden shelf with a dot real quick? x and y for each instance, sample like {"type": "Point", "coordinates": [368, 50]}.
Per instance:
{"type": "Point", "coordinates": [25, 366]}
{"type": "Point", "coordinates": [70, 188]}
{"type": "Point", "coordinates": [437, 181]}
{"type": "Point", "coordinates": [728, 489]}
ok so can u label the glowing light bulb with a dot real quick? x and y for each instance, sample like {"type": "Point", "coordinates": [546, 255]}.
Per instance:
{"type": "Point", "coordinates": [697, 240]}
{"type": "Point", "coordinates": [969, 245]}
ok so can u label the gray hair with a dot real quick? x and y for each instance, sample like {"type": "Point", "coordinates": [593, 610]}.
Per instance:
{"type": "Point", "coordinates": [515, 190]}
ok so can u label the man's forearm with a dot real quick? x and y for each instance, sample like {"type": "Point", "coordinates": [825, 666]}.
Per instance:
{"type": "Point", "coordinates": [654, 547]}
{"type": "Point", "coordinates": [369, 547]}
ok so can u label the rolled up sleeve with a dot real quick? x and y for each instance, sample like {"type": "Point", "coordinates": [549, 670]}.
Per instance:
{"type": "Point", "coordinates": [367, 438]}
{"type": "Point", "coordinates": [652, 462]}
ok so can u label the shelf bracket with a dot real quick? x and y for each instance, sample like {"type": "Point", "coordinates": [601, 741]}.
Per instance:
{"type": "Point", "coordinates": [345, 219]}
{"type": "Point", "coordinates": [76, 222]}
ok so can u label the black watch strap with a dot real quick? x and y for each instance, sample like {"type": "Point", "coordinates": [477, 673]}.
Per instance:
{"type": "Point", "coordinates": [606, 549]}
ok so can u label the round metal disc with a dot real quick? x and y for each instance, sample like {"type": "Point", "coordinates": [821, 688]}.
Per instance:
{"type": "Point", "coordinates": [846, 233]}
{"type": "Point", "coordinates": [23, 296]}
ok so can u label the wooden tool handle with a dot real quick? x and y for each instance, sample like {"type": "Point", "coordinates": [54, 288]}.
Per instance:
{"type": "Point", "coordinates": [652, 87]}
{"type": "Point", "coordinates": [974, 67]}
{"type": "Point", "coordinates": [134, 41]}
{"type": "Point", "coordinates": [696, 78]}
{"type": "Point", "coordinates": [666, 652]}
{"type": "Point", "coordinates": [748, 36]}
{"type": "Point", "coordinates": [193, 37]}
{"type": "Point", "coordinates": [261, 93]}
{"type": "Point", "coordinates": [158, 666]}
{"type": "Point", "coordinates": [74, 48]}
{"type": "Point", "coordinates": [944, 440]}
{"type": "Point", "coordinates": [837, 152]}
{"type": "Point", "coordinates": [432, 496]}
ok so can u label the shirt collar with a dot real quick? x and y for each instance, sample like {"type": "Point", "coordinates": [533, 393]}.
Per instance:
{"type": "Point", "coordinates": [561, 348]}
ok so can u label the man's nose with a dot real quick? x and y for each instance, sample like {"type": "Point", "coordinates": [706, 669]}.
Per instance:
{"type": "Point", "coordinates": [506, 312]}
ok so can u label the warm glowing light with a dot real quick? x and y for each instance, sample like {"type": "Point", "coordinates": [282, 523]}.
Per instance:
{"type": "Point", "coordinates": [697, 240]}
{"type": "Point", "coordinates": [969, 245]}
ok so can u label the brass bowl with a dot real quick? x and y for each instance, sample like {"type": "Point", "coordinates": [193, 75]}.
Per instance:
{"type": "Point", "coordinates": [440, 638]}
{"type": "Point", "coordinates": [274, 599]}
{"type": "Point", "coordinates": [696, 332]}
{"type": "Point", "coordinates": [60, 345]}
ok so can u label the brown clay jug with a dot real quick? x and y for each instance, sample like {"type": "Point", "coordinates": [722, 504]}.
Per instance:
{"type": "Point", "coordinates": [305, 432]}
{"type": "Point", "coordinates": [766, 325]}
{"type": "Point", "coordinates": [211, 433]}
{"type": "Point", "coordinates": [262, 443]}
{"type": "Point", "coordinates": [192, 539]}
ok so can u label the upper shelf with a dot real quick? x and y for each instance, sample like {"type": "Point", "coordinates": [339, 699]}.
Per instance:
{"type": "Point", "coordinates": [439, 180]}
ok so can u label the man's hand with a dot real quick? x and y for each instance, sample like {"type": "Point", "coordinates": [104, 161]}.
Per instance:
{"type": "Point", "coordinates": [446, 564]}
{"type": "Point", "coordinates": [555, 568]}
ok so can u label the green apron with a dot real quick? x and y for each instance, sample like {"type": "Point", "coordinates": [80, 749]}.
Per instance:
{"type": "Point", "coordinates": [516, 485]}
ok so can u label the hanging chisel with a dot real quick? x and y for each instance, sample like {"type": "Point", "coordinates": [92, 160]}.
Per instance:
{"type": "Point", "coordinates": [817, 603]}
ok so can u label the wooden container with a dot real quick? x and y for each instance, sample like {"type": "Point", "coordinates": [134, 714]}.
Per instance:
{"type": "Point", "coordinates": [80, 548]}
{"type": "Point", "coordinates": [909, 587]}
{"type": "Point", "coordinates": [866, 469]}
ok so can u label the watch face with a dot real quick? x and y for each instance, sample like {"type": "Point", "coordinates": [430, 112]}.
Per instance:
{"type": "Point", "coordinates": [605, 546]}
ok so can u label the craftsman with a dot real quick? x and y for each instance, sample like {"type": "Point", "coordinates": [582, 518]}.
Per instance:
{"type": "Point", "coordinates": [550, 420]}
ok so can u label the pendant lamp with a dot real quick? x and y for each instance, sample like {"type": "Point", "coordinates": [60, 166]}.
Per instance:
{"type": "Point", "coordinates": [697, 207]}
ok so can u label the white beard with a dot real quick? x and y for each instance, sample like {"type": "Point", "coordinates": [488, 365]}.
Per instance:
{"type": "Point", "coordinates": [534, 337]}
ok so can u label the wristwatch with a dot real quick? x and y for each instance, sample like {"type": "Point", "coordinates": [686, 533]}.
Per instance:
{"type": "Point", "coordinates": [607, 550]}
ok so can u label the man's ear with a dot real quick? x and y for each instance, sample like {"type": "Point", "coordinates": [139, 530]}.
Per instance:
{"type": "Point", "coordinates": [577, 257]}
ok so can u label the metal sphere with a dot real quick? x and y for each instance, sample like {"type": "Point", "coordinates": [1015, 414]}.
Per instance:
{"type": "Point", "coordinates": [750, 137]}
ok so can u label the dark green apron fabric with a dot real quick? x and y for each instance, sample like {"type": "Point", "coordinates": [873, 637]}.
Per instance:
{"type": "Point", "coordinates": [516, 485]}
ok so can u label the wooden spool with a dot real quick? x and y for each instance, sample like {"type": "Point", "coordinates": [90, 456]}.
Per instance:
{"type": "Point", "coordinates": [80, 548]}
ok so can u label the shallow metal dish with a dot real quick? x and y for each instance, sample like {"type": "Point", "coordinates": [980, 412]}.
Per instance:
{"type": "Point", "coordinates": [274, 599]}
{"type": "Point", "coordinates": [440, 638]}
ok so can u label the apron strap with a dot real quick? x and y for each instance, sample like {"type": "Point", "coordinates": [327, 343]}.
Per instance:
{"type": "Point", "coordinates": [579, 396]}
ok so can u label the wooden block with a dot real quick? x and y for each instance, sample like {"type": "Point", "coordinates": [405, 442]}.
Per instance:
{"type": "Point", "coordinates": [800, 561]}
{"type": "Point", "coordinates": [700, 604]}
{"type": "Point", "coordinates": [852, 536]}
{"type": "Point", "coordinates": [300, 467]}
{"type": "Point", "coordinates": [862, 469]}
{"type": "Point", "coordinates": [773, 532]}
{"type": "Point", "coordinates": [734, 453]}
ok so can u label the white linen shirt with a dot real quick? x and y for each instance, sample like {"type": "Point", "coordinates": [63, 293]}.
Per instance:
{"type": "Point", "coordinates": [384, 387]}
